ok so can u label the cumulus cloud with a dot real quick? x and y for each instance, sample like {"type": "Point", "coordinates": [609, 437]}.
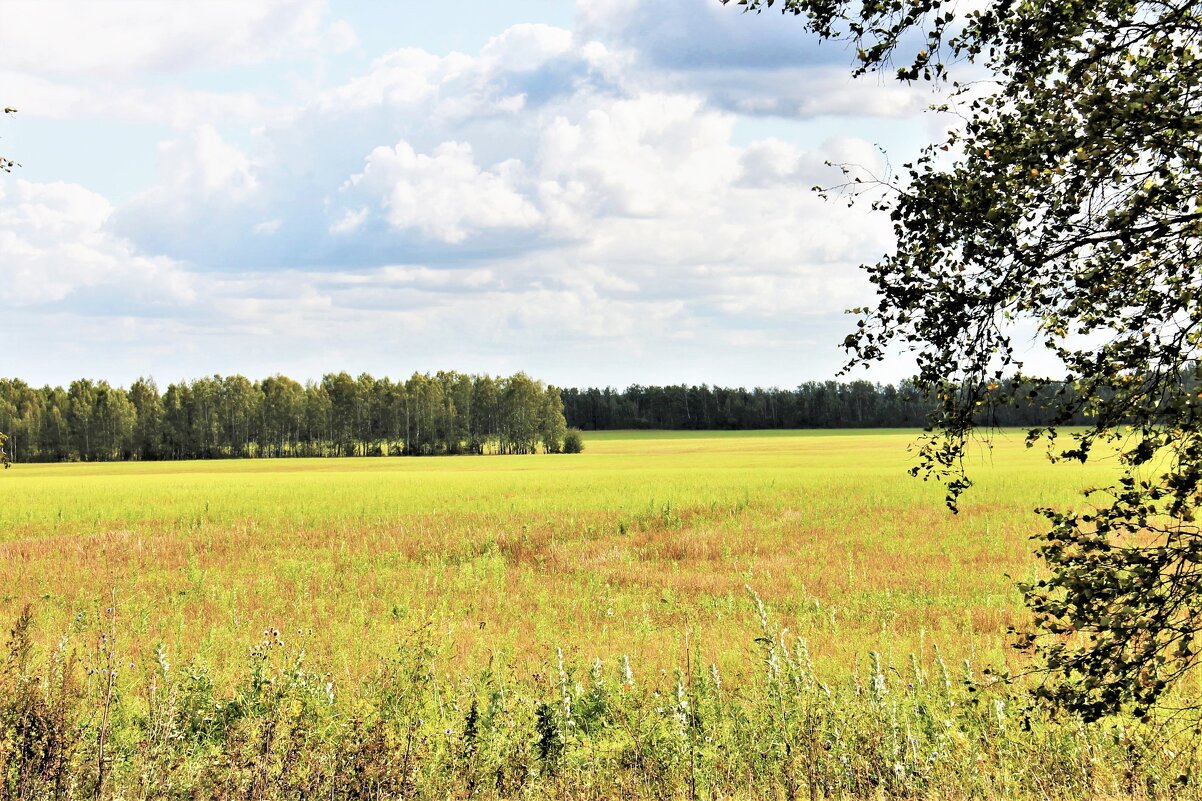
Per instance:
{"type": "Point", "coordinates": [207, 188]}
{"type": "Point", "coordinates": [527, 63]}
{"type": "Point", "coordinates": [120, 38]}
{"type": "Point", "coordinates": [637, 157]}
{"type": "Point", "coordinates": [137, 60]}
{"type": "Point", "coordinates": [691, 35]}
{"type": "Point", "coordinates": [556, 198]}
{"type": "Point", "coordinates": [55, 251]}
{"type": "Point", "coordinates": [444, 195]}
{"type": "Point", "coordinates": [755, 64]}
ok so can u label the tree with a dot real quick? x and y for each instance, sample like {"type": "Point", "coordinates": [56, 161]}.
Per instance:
{"type": "Point", "coordinates": [484, 427]}
{"type": "Point", "coordinates": [552, 426]}
{"type": "Point", "coordinates": [148, 406]}
{"type": "Point", "coordinates": [54, 440]}
{"type": "Point", "coordinates": [21, 414]}
{"type": "Point", "coordinates": [81, 411]}
{"type": "Point", "coordinates": [521, 403]}
{"type": "Point", "coordinates": [283, 413]}
{"type": "Point", "coordinates": [113, 421]}
{"type": "Point", "coordinates": [1068, 202]}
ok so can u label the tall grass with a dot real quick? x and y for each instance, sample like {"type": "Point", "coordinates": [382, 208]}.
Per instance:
{"type": "Point", "coordinates": [88, 720]}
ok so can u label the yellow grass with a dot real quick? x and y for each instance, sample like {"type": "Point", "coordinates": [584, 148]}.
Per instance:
{"type": "Point", "coordinates": [624, 549]}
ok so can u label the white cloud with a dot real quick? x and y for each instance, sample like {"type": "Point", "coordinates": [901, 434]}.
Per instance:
{"type": "Point", "coordinates": [204, 164]}
{"type": "Point", "coordinates": [602, 210]}
{"type": "Point", "coordinates": [173, 106]}
{"type": "Point", "coordinates": [401, 78]}
{"type": "Point", "coordinates": [154, 62]}
{"type": "Point", "coordinates": [756, 64]}
{"type": "Point", "coordinates": [205, 186]}
{"type": "Point", "coordinates": [351, 221]}
{"type": "Point", "coordinates": [557, 198]}
{"type": "Point", "coordinates": [524, 48]}
{"type": "Point", "coordinates": [445, 195]}
{"type": "Point", "coordinates": [701, 34]}
{"type": "Point", "coordinates": [640, 157]}
{"type": "Point", "coordinates": [119, 38]}
{"type": "Point", "coordinates": [54, 248]}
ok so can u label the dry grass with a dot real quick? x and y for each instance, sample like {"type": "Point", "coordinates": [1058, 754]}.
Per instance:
{"type": "Point", "coordinates": [622, 549]}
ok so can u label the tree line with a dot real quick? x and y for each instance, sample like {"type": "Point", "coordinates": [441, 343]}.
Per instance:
{"type": "Point", "coordinates": [444, 413]}
{"type": "Point", "coordinates": [815, 404]}
{"type": "Point", "coordinates": [234, 417]}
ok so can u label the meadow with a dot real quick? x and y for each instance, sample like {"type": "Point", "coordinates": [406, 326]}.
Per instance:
{"type": "Point", "coordinates": [641, 562]}
{"type": "Point", "coordinates": [621, 550]}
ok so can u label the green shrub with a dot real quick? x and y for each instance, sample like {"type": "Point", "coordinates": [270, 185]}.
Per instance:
{"type": "Point", "coordinates": [573, 441]}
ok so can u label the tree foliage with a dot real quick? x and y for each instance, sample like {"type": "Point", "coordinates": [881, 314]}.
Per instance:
{"type": "Point", "coordinates": [573, 441]}
{"type": "Point", "coordinates": [1067, 202]}
{"type": "Point", "coordinates": [234, 417]}
{"type": "Point", "coordinates": [448, 412]}
{"type": "Point", "coordinates": [812, 404]}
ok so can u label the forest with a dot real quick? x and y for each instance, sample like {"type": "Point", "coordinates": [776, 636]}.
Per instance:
{"type": "Point", "coordinates": [234, 417]}
{"type": "Point", "coordinates": [444, 413]}
{"type": "Point", "coordinates": [814, 404]}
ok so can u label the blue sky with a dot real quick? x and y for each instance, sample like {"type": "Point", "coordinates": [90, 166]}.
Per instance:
{"type": "Point", "coordinates": [599, 192]}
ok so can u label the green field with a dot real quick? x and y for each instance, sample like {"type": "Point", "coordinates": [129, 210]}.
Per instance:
{"type": "Point", "coordinates": [621, 550]}
{"type": "Point", "coordinates": [542, 626]}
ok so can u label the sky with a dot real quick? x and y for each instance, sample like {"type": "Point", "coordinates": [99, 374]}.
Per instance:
{"type": "Point", "coordinates": [600, 192]}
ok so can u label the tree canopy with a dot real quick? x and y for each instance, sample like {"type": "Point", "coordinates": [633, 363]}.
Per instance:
{"type": "Point", "coordinates": [234, 417]}
{"type": "Point", "coordinates": [1065, 205]}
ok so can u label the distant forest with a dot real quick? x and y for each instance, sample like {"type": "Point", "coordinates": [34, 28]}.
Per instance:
{"type": "Point", "coordinates": [824, 404]}
{"type": "Point", "coordinates": [444, 413]}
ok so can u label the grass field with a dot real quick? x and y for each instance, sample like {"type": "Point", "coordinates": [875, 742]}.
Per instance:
{"type": "Point", "coordinates": [574, 627]}
{"type": "Point", "coordinates": [625, 549]}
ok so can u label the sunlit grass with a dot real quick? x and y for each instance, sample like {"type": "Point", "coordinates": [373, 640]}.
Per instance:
{"type": "Point", "coordinates": [626, 548]}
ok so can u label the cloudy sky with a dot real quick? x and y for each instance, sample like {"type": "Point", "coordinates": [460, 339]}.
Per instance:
{"type": "Point", "coordinates": [596, 192]}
